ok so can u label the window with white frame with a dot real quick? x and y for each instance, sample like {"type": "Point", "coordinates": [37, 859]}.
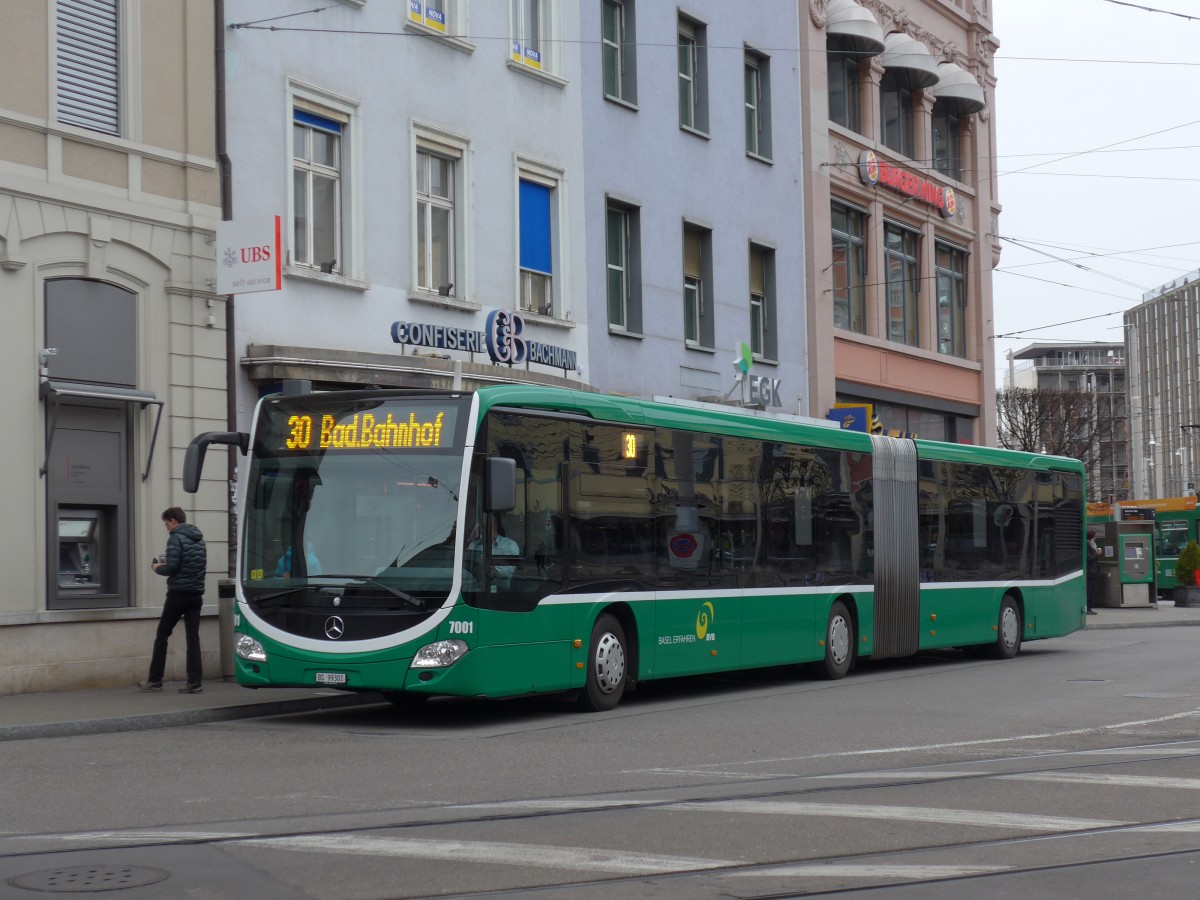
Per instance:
{"type": "Point", "coordinates": [618, 39]}
{"type": "Point", "coordinates": [441, 204]}
{"type": "Point", "coordinates": [537, 225]}
{"type": "Point", "coordinates": [316, 190]}
{"type": "Point", "coordinates": [88, 64]}
{"type": "Point", "coordinates": [324, 202]}
{"type": "Point", "coordinates": [762, 303]}
{"type": "Point", "coordinates": [698, 331]}
{"type": "Point", "coordinates": [622, 252]}
{"type": "Point", "coordinates": [435, 221]}
{"type": "Point", "coordinates": [535, 29]}
{"type": "Point", "coordinates": [693, 76]}
{"type": "Point", "coordinates": [436, 14]}
{"type": "Point", "coordinates": [758, 104]}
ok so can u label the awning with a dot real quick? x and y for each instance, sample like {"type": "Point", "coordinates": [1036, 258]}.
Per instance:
{"type": "Point", "coordinates": [900, 51]}
{"type": "Point", "coordinates": [853, 28]}
{"type": "Point", "coordinates": [958, 86]}
{"type": "Point", "coordinates": [53, 392]}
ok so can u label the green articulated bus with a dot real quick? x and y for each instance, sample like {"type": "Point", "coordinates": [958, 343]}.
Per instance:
{"type": "Point", "coordinates": [521, 539]}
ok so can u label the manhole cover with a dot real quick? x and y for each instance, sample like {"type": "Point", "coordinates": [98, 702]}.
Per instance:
{"type": "Point", "coordinates": [84, 879]}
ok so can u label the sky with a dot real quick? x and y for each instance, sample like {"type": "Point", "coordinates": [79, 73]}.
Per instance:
{"type": "Point", "coordinates": [1098, 102]}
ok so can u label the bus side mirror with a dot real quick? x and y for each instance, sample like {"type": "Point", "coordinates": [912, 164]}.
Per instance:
{"type": "Point", "coordinates": [499, 484]}
{"type": "Point", "coordinates": [193, 457]}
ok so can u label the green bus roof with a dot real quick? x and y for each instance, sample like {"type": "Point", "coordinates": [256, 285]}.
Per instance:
{"type": "Point", "coordinates": [717, 419]}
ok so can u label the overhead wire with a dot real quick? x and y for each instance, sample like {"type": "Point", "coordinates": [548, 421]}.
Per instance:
{"type": "Point", "coordinates": [1152, 9]}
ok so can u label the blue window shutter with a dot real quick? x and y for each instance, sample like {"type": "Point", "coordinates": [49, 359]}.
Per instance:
{"type": "Point", "coordinates": [307, 118]}
{"type": "Point", "coordinates": [535, 228]}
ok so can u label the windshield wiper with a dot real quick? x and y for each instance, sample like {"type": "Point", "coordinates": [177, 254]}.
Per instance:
{"type": "Point", "coordinates": [360, 580]}
{"type": "Point", "coordinates": [286, 592]}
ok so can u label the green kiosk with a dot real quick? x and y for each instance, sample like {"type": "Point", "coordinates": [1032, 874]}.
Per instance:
{"type": "Point", "coordinates": [1126, 564]}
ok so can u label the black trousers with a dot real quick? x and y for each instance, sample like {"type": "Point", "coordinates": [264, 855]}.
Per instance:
{"type": "Point", "coordinates": [1091, 590]}
{"type": "Point", "coordinates": [184, 605]}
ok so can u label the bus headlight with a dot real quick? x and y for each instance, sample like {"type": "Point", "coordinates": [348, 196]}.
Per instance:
{"type": "Point", "coordinates": [439, 655]}
{"type": "Point", "coordinates": [248, 648]}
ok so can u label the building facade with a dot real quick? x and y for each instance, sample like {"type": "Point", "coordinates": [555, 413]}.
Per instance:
{"type": "Point", "coordinates": [901, 211]}
{"type": "Point", "coordinates": [1162, 335]}
{"type": "Point", "coordinates": [649, 199]}
{"type": "Point", "coordinates": [1099, 369]}
{"type": "Point", "coordinates": [426, 162]}
{"type": "Point", "coordinates": [693, 195]}
{"type": "Point", "coordinates": [114, 342]}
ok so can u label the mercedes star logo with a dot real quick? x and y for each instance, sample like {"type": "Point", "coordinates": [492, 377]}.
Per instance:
{"type": "Point", "coordinates": [334, 627]}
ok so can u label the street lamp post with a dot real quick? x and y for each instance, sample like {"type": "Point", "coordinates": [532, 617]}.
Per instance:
{"type": "Point", "coordinates": [1152, 486]}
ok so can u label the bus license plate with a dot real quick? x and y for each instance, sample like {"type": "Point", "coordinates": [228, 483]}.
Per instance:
{"type": "Point", "coordinates": [331, 678]}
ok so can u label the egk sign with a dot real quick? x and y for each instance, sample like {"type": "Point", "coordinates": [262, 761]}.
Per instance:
{"type": "Point", "coordinates": [875, 171]}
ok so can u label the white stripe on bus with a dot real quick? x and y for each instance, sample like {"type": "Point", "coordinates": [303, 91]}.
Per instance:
{"type": "Point", "coordinates": [820, 590]}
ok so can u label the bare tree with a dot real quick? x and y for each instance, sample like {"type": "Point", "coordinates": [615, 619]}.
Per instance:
{"type": "Point", "coordinates": [1059, 422]}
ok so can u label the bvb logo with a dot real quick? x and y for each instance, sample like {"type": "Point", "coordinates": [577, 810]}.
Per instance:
{"type": "Point", "coordinates": [704, 619]}
{"type": "Point", "coordinates": [504, 341]}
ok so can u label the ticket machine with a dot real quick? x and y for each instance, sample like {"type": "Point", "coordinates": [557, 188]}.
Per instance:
{"type": "Point", "coordinates": [1126, 564]}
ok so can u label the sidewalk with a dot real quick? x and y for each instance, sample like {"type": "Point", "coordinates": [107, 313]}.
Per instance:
{"type": "Point", "coordinates": [60, 713]}
{"type": "Point", "coordinates": [102, 710]}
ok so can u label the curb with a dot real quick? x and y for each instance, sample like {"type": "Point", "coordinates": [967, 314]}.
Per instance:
{"type": "Point", "coordinates": [182, 717]}
{"type": "Point", "coordinates": [1174, 623]}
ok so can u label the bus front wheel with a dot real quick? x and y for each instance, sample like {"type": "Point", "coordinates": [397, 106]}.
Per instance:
{"type": "Point", "coordinates": [1008, 630]}
{"type": "Point", "coordinates": [839, 642]}
{"type": "Point", "coordinates": [605, 682]}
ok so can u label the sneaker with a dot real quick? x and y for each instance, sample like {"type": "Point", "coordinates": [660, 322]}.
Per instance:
{"type": "Point", "coordinates": [149, 685]}
{"type": "Point", "coordinates": [191, 688]}
{"type": "Point", "coordinates": [1091, 612]}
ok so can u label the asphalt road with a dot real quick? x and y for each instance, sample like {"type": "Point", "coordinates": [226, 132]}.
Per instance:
{"type": "Point", "coordinates": [1073, 770]}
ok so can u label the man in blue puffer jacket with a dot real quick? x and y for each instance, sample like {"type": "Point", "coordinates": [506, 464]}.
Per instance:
{"type": "Point", "coordinates": [184, 567]}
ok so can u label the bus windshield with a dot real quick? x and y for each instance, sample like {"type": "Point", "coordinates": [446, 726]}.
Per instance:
{"type": "Point", "coordinates": [354, 497]}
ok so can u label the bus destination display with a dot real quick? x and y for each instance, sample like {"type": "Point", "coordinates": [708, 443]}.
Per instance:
{"type": "Point", "coordinates": [426, 429]}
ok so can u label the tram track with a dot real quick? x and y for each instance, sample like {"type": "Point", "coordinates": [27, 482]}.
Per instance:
{"type": "Point", "coordinates": [863, 862]}
{"type": "Point", "coordinates": [217, 834]}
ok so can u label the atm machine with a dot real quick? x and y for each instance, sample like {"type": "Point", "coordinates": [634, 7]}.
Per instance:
{"type": "Point", "coordinates": [1126, 564]}
{"type": "Point", "coordinates": [79, 566]}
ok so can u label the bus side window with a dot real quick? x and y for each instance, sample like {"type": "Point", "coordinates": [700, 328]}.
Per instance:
{"type": "Point", "coordinates": [535, 524]}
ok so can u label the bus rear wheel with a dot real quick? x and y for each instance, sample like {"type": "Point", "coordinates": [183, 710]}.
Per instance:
{"type": "Point", "coordinates": [839, 642]}
{"type": "Point", "coordinates": [1008, 630]}
{"type": "Point", "coordinates": [606, 673]}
